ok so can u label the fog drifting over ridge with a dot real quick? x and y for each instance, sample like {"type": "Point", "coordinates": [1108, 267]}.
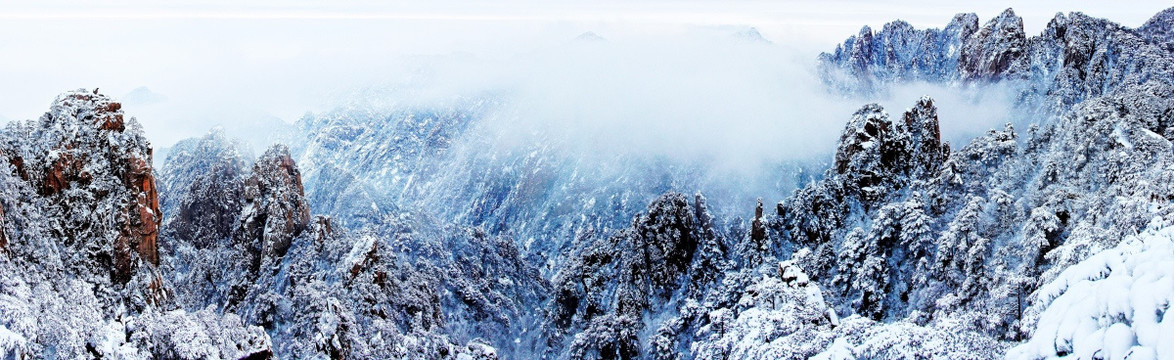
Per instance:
{"type": "Point", "coordinates": [675, 84]}
{"type": "Point", "coordinates": [708, 96]}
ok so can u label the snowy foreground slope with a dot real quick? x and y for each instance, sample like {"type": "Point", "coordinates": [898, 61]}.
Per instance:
{"type": "Point", "coordinates": [399, 235]}
{"type": "Point", "coordinates": [1111, 305]}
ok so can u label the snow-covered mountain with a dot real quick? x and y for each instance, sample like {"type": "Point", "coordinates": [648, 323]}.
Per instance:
{"type": "Point", "coordinates": [406, 233]}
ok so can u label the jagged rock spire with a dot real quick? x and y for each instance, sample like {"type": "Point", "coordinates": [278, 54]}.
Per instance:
{"type": "Point", "coordinates": [275, 208]}
{"type": "Point", "coordinates": [998, 50]}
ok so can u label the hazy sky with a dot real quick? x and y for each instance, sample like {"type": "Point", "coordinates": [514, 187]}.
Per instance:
{"type": "Point", "coordinates": [219, 62]}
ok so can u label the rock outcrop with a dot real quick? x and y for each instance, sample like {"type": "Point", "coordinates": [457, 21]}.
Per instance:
{"type": "Point", "coordinates": [610, 284]}
{"type": "Point", "coordinates": [869, 60]}
{"type": "Point", "coordinates": [1076, 57]}
{"type": "Point", "coordinates": [3, 231]}
{"type": "Point", "coordinates": [876, 155]}
{"type": "Point", "coordinates": [997, 51]}
{"type": "Point", "coordinates": [1159, 30]}
{"type": "Point", "coordinates": [81, 274]}
{"type": "Point", "coordinates": [204, 179]}
{"type": "Point", "coordinates": [94, 172]}
{"type": "Point", "coordinates": [275, 208]}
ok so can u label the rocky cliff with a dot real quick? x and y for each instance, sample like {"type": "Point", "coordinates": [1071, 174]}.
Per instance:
{"type": "Point", "coordinates": [275, 208]}
{"type": "Point", "coordinates": [1076, 57]}
{"type": "Point", "coordinates": [201, 207]}
{"type": "Point", "coordinates": [81, 266]}
{"type": "Point", "coordinates": [94, 176]}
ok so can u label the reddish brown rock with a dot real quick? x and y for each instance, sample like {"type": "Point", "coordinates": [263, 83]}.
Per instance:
{"type": "Point", "coordinates": [65, 170]}
{"type": "Point", "coordinates": [113, 123]}
{"type": "Point", "coordinates": [17, 163]}
{"type": "Point", "coordinates": [85, 132]}
{"type": "Point", "coordinates": [3, 232]}
{"type": "Point", "coordinates": [144, 213]}
{"type": "Point", "coordinates": [371, 258]}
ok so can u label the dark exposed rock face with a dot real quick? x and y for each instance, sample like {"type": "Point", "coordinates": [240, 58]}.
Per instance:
{"type": "Point", "coordinates": [610, 285]}
{"type": "Point", "coordinates": [997, 51]}
{"type": "Point", "coordinates": [205, 182]}
{"type": "Point", "coordinates": [265, 354]}
{"type": "Point", "coordinates": [876, 155]}
{"type": "Point", "coordinates": [666, 236]}
{"type": "Point", "coordinates": [758, 229]}
{"type": "Point", "coordinates": [206, 219]}
{"type": "Point", "coordinates": [275, 208]}
{"type": "Point", "coordinates": [926, 151]}
{"type": "Point", "coordinates": [3, 230]}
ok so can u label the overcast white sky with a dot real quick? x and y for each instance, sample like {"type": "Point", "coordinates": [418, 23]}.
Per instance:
{"type": "Point", "coordinates": [219, 62]}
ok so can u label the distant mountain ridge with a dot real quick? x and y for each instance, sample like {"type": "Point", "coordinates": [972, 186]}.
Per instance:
{"type": "Point", "coordinates": [1076, 57]}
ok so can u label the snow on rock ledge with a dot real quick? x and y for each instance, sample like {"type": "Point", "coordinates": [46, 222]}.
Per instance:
{"type": "Point", "coordinates": [1111, 305]}
{"type": "Point", "coordinates": [202, 183]}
